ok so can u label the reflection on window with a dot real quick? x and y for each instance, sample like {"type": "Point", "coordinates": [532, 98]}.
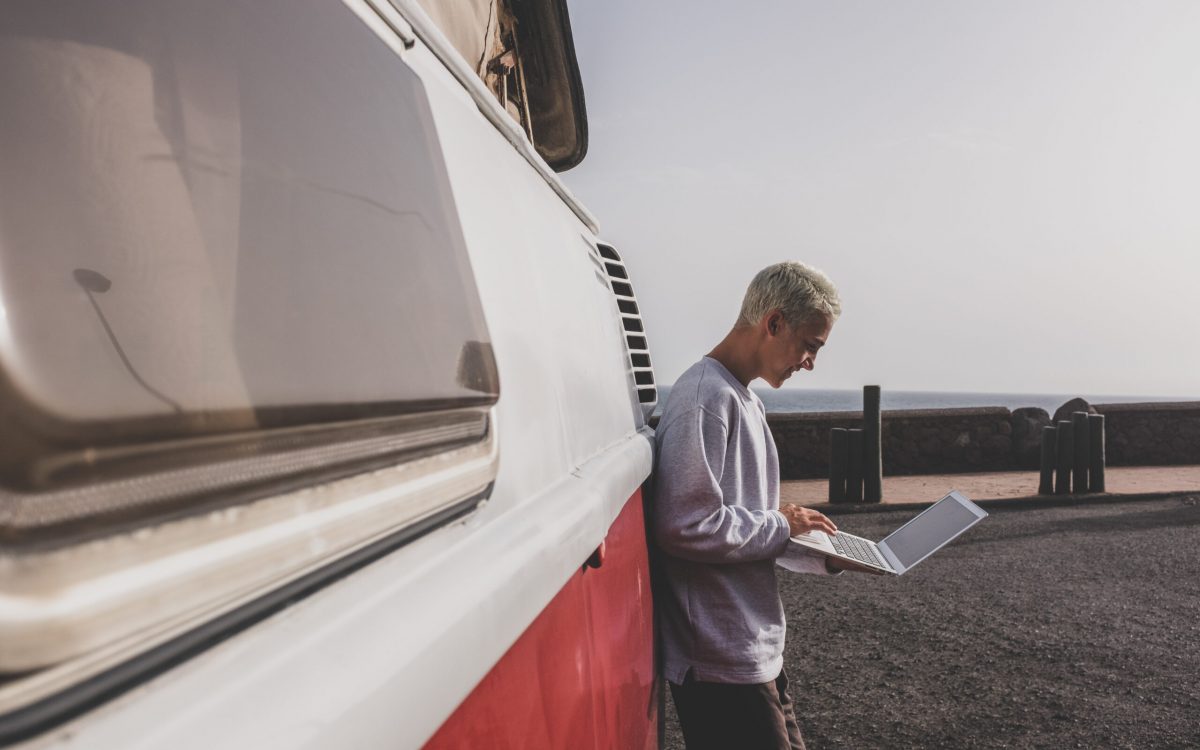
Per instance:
{"type": "Point", "coordinates": [215, 223]}
{"type": "Point", "coordinates": [239, 320]}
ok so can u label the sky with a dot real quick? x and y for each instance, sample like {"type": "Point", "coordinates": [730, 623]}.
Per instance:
{"type": "Point", "coordinates": [1007, 194]}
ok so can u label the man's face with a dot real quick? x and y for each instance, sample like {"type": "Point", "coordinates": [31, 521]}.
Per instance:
{"type": "Point", "coordinates": [787, 348]}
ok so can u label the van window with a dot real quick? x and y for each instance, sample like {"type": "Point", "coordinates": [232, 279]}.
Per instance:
{"type": "Point", "coordinates": [524, 54]}
{"type": "Point", "coordinates": [241, 347]}
{"type": "Point", "coordinates": [225, 230]}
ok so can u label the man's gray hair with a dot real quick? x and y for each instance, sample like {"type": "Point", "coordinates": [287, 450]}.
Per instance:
{"type": "Point", "coordinates": [801, 292]}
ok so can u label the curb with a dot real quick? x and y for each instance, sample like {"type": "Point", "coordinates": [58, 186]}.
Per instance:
{"type": "Point", "coordinates": [1027, 502]}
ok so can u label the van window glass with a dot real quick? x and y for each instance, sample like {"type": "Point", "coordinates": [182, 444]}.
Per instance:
{"type": "Point", "coordinates": [218, 218]}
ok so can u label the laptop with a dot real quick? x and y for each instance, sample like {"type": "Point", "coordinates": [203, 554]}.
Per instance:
{"type": "Point", "coordinates": [905, 547]}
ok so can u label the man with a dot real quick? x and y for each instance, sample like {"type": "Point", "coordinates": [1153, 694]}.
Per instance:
{"type": "Point", "coordinates": [718, 520]}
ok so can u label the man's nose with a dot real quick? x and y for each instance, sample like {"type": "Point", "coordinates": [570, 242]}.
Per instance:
{"type": "Point", "coordinates": [807, 364]}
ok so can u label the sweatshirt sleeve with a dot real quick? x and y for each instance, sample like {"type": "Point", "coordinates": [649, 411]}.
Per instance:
{"type": "Point", "coordinates": [691, 519]}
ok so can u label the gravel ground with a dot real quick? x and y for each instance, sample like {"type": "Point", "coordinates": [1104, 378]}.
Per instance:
{"type": "Point", "coordinates": [1074, 627]}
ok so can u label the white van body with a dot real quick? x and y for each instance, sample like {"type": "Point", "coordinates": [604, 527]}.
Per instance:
{"type": "Point", "coordinates": [388, 605]}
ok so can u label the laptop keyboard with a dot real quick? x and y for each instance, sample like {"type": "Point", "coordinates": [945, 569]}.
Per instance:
{"type": "Point", "coordinates": [857, 548]}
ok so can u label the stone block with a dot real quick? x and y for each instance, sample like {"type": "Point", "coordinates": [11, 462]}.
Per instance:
{"type": "Point", "coordinates": [1026, 435]}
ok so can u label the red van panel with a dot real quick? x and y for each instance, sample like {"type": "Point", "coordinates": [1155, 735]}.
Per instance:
{"type": "Point", "coordinates": [583, 674]}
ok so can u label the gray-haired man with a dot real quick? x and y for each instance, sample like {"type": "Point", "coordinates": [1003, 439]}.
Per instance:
{"type": "Point", "coordinates": [718, 520]}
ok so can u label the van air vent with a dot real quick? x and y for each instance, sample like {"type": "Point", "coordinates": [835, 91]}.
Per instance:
{"type": "Point", "coordinates": [631, 321]}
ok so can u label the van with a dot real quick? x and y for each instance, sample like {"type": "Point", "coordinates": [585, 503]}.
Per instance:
{"type": "Point", "coordinates": [322, 403]}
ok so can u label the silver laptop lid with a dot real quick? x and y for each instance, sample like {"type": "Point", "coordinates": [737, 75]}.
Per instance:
{"type": "Point", "coordinates": [932, 529]}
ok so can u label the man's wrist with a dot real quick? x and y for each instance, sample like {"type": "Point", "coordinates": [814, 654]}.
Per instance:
{"type": "Point", "coordinates": [787, 525]}
{"type": "Point", "coordinates": [787, 532]}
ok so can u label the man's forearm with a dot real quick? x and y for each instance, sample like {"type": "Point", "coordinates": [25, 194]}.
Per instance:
{"type": "Point", "coordinates": [731, 534]}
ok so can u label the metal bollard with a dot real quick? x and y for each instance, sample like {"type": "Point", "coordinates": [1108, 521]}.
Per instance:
{"type": "Point", "coordinates": [854, 466]}
{"type": "Point", "coordinates": [1046, 485]}
{"type": "Point", "coordinates": [872, 445]}
{"type": "Point", "coordinates": [838, 454]}
{"type": "Point", "coordinates": [1097, 458]}
{"type": "Point", "coordinates": [1064, 449]}
{"type": "Point", "coordinates": [1083, 448]}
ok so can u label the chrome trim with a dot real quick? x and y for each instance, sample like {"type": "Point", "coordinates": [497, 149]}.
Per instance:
{"type": "Point", "coordinates": [145, 481]}
{"type": "Point", "coordinates": [82, 609]}
{"type": "Point", "coordinates": [394, 21]}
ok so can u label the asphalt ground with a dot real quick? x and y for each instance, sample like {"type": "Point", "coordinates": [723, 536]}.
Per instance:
{"type": "Point", "coordinates": [1041, 627]}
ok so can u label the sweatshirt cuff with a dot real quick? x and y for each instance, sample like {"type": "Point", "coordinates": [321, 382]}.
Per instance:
{"type": "Point", "coordinates": [783, 541]}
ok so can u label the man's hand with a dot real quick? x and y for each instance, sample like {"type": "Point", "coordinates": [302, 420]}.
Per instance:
{"type": "Point", "coordinates": [801, 520]}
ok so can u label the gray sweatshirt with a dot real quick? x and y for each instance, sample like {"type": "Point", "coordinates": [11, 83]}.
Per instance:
{"type": "Point", "coordinates": [716, 518]}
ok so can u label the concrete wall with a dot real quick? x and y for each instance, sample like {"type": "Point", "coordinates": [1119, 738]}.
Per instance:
{"type": "Point", "coordinates": [915, 442]}
{"type": "Point", "coordinates": [986, 439]}
{"type": "Point", "coordinates": [1151, 434]}
{"type": "Point", "coordinates": [927, 441]}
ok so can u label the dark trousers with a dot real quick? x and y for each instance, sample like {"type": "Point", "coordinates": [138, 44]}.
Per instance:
{"type": "Point", "coordinates": [718, 716]}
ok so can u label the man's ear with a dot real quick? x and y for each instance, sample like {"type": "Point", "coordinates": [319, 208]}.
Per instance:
{"type": "Point", "coordinates": [775, 322]}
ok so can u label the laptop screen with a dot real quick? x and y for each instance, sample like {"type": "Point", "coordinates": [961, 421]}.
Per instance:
{"type": "Point", "coordinates": [921, 536]}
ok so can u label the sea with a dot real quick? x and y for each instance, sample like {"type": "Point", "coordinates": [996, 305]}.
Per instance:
{"type": "Point", "coordinates": [786, 400]}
